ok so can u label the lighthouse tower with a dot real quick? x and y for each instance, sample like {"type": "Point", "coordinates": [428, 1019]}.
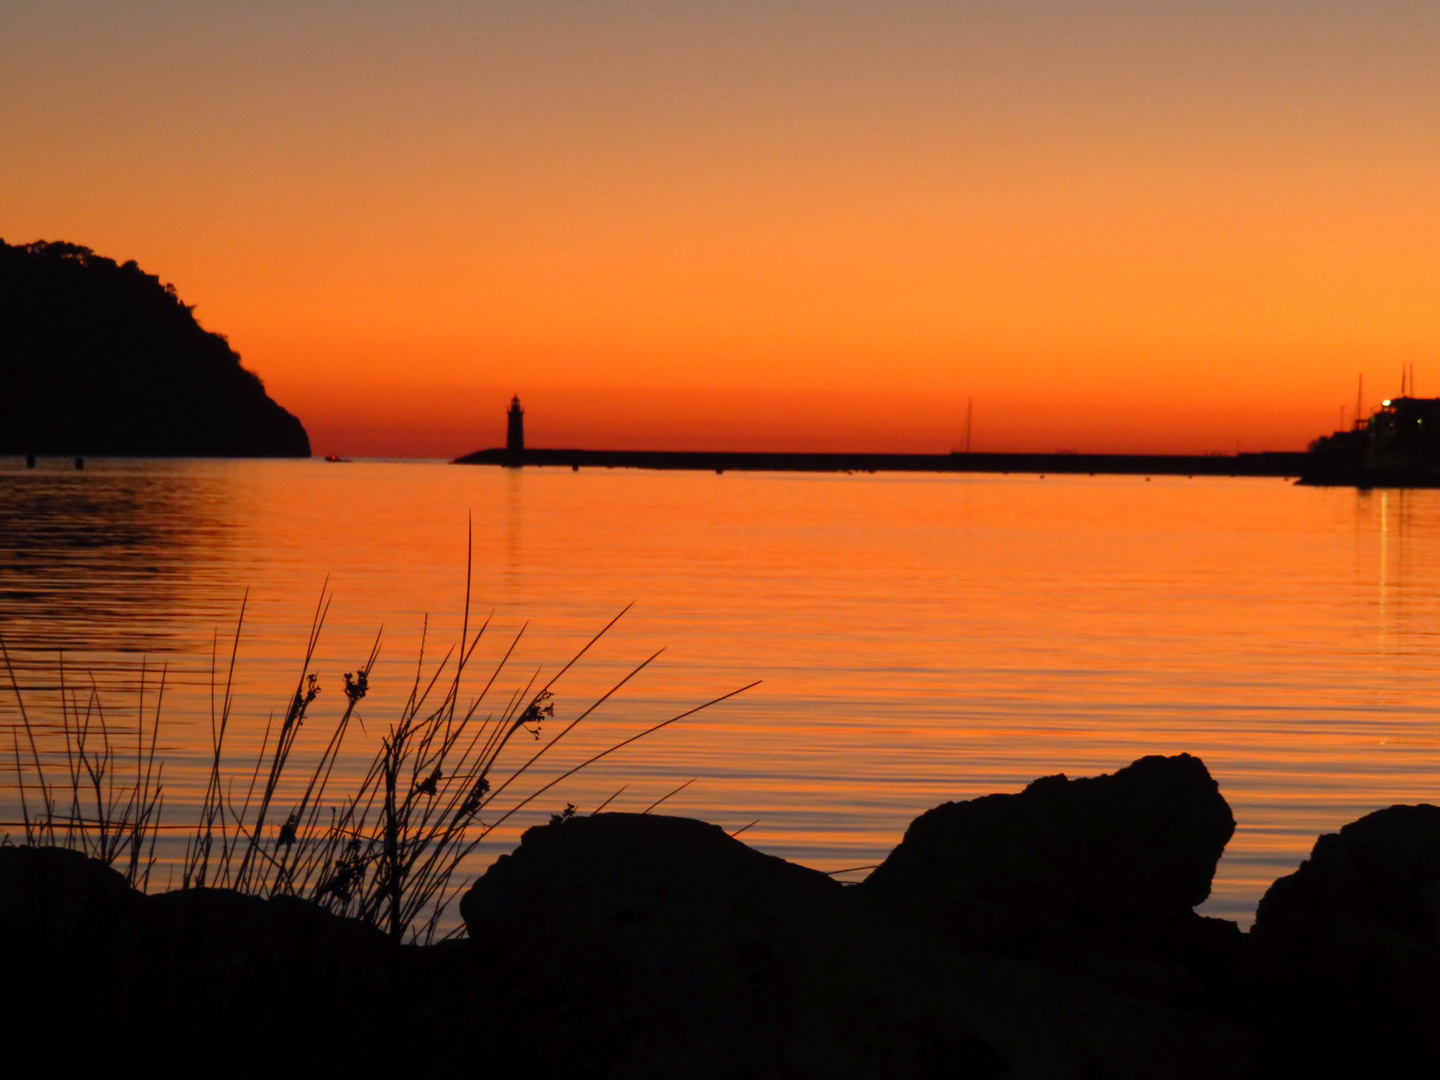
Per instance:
{"type": "Point", "coordinates": [515, 430]}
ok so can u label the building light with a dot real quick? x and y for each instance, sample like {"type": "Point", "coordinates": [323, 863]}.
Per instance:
{"type": "Point", "coordinates": [1385, 402]}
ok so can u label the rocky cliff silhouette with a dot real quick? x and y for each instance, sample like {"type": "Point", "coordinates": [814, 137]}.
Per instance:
{"type": "Point", "coordinates": [101, 358]}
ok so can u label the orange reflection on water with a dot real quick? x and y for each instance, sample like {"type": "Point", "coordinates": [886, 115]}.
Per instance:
{"type": "Point", "coordinates": [919, 638]}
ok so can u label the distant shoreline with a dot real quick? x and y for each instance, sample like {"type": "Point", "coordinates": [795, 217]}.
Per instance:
{"type": "Point", "coordinates": [1269, 463]}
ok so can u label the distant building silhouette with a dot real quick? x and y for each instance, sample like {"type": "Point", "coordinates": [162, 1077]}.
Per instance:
{"type": "Point", "coordinates": [1393, 448]}
{"type": "Point", "coordinates": [515, 432]}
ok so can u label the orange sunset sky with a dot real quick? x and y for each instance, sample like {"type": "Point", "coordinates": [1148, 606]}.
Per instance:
{"type": "Point", "coordinates": [787, 225]}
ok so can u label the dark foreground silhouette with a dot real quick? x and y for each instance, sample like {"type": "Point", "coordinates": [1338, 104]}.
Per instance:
{"type": "Point", "coordinates": [1049, 933]}
{"type": "Point", "coordinates": [98, 358]}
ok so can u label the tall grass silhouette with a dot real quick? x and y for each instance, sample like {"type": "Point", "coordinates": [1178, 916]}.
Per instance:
{"type": "Point", "coordinates": [447, 774]}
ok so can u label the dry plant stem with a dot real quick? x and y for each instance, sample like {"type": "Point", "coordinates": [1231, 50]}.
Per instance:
{"type": "Point", "coordinates": [606, 753]}
{"type": "Point", "coordinates": [666, 797]}
{"type": "Point", "coordinates": [388, 874]}
{"type": "Point", "coordinates": [124, 817]}
{"type": "Point", "coordinates": [71, 765]}
{"type": "Point", "coordinates": [143, 783]}
{"type": "Point", "coordinates": [239, 816]}
{"type": "Point", "coordinates": [304, 814]}
{"type": "Point", "coordinates": [611, 799]}
{"type": "Point", "coordinates": [34, 751]}
{"type": "Point", "coordinates": [198, 849]}
{"type": "Point", "coordinates": [443, 855]}
{"type": "Point", "coordinates": [544, 693]}
{"type": "Point", "coordinates": [448, 893]}
{"type": "Point", "coordinates": [320, 780]}
{"type": "Point", "coordinates": [20, 784]}
{"type": "Point", "coordinates": [306, 690]}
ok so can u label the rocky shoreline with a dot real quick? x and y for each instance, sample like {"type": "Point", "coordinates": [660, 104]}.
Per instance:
{"type": "Point", "coordinates": [1048, 933]}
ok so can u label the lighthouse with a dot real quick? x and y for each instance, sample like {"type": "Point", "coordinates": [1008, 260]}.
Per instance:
{"type": "Point", "coordinates": [515, 429]}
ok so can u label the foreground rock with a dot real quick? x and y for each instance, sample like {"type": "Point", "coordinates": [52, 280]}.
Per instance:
{"type": "Point", "coordinates": [201, 978]}
{"type": "Point", "coordinates": [643, 945]}
{"type": "Point", "coordinates": [1098, 875]}
{"type": "Point", "coordinates": [1347, 952]}
{"type": "Point", "coordinates": [102, 359]}
{"type": "Point", "coordinates": [640, 946]}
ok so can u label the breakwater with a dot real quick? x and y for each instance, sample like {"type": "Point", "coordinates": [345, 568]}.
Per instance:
{"type": "Point", "coordinates": [1270, 463]}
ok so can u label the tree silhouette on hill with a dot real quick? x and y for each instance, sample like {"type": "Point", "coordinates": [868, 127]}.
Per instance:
{"type": "Point", "coordinates": [101, 358]}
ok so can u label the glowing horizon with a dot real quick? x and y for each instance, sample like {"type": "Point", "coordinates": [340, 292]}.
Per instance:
{"type": "Point", "coordinates": [777, 227]}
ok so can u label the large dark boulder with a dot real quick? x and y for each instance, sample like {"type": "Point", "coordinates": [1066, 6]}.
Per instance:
{"type": "Point", "coordinates": [626, 945]}
{"type": "Point", "coordinates": [276, 983]}
{"type": "Point", "coordinates": [102, 359]}
{"type": "Point", "coordinates": [255, 975]}
{"type": "Point", "coordinates": [60, 914]}
{"type": "Point", "coordinates": [1099, 874]}
{"type": "Point", "coordinates": [50, 896]}
{"type": "Point", "coordinates": [640, 945]}
{"type": "Point", "coordinates": [1347, 952]}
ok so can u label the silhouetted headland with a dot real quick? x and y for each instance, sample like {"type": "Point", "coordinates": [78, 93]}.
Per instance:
{"type": "Point", "coordinates": [515, 453]}
{"type": "Point", "coordinates": [102, 359]}
{"type": "Point", "coordinates": [1049, 933]}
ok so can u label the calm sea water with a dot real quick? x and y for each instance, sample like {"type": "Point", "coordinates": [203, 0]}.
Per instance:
{"type": "Point", "coordinates": [918, 638]}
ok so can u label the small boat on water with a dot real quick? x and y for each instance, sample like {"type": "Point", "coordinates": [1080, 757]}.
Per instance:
{"type": "Point", "coordinates": [1397, 446]}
